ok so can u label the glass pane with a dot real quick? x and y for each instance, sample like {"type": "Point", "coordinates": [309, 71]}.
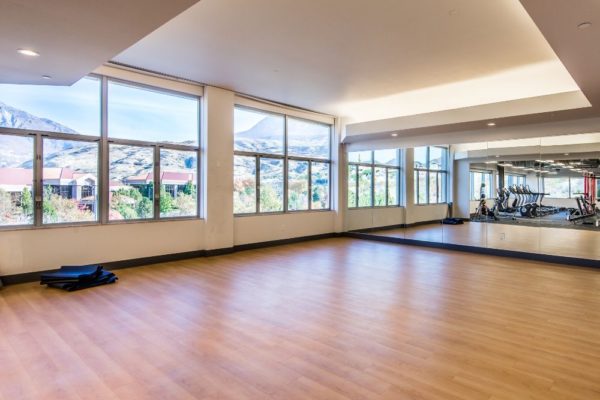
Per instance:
{"type": "Point", "coordinates": [352, 181]}
{"type": "Point", "coordinates": [420, 155]}
{"type": "Point", "coordinates": [271, 185]}
{"type": "Point", "coordinates": [151, 115]}
{"type": "Point", "coordinates": [556, 188]}
{"type": "Point", "coordinates": [365, 176]}
{"type": "Point", "coordinates": [433, 188]}
{"type": "Point", "coordinates": [577, 187]}
{"type": "Point", "coordinates": [421, 187]}
{"type": "Point", "coordinates": [441, 187]}
{"type": "Point", "coordinates": [320, 186]}
{"type": "Point", "coordinates": [386, 157]}
{"type": "Point", "coordinates": [16, 180]}
{"type": "Point", "coordinates": [297, 185]}
{"type": "Point", "coordinates": [244, 185]}
{"type": "Point", "coordinates": [65, 109]}
{"type": "Point", "coordinates": [70, 181]}
{"type": "Point", "coordinates": [380, 187]}
{"type": "Point", "coordinates": [257, 131]}
{"type": "Point", "coordinates": [178, 183]}
{"type": "Point", "coordinates": [364, 157]}
{"type": "Point", "coordinates": [437, 158]}
{"type": "Point", "coordinates": [393, 175]}
{"type": "Point", "coordinates": [131, 176]}
{"type": "Point", "coordinates": [308, 139]}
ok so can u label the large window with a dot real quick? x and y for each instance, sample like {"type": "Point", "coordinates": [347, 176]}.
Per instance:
{"type": "Point", "coordinates": [281, 163]}
{"type": "Point", "coordinates": [430, 166]}
{"type": "Point", "coordinates": [563, 187]}
{"type": "Point", "coordinates": [54, 148]}
{"type": "Point", "coordinates": [512, 179]}
{"type": "Point", "coordinates": [373, 178]}
{"type": "Point", "coordinates": [481, 183]}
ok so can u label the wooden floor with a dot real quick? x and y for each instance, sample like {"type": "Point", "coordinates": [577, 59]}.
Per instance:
{"type": "Point", "coordinates": [330, 319]}
{"type": "Point", "coordinates": [564, 242]}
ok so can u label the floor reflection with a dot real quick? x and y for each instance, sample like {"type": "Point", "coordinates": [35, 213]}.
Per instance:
{"type": "Point", "coordinates": [578, 243]}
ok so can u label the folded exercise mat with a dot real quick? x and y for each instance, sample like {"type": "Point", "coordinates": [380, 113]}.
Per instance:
{"type": "Point", "coordinates": [72, 278]}
{"type": "Point", "coordinates": [68, 273]}
{"type": "Point", "coordinates": [105, 278]}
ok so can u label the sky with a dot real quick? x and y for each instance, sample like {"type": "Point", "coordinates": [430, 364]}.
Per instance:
{"type": "Point", "coordinates": [134, 113]}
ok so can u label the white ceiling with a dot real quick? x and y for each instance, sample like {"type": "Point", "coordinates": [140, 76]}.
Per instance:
{"type": "Point", "coordinates": [360, 60]}
{"type": "Point", "coordinates": [73, 37]}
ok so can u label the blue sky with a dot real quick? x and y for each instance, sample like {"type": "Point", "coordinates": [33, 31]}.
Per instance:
{"type": "Point", "coordinates": [134, 113]}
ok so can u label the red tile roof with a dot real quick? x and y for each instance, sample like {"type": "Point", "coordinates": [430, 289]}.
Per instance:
{"type": "Point", "coordinates": [16, 176]}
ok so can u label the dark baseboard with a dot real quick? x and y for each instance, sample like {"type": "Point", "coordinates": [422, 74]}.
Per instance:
{"type": "Point", "coordinates": [579, 262]}
{"type": "Point", "coordinates": [136, 262]}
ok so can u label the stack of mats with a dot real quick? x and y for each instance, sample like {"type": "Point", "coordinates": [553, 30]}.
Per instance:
{"type": "Point", "coordinates": [72, 278]}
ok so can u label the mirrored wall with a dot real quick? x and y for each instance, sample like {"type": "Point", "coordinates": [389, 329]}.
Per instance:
{"type": "Point", "coordinates": [529, 195]}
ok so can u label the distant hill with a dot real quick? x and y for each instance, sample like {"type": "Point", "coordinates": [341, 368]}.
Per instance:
{"type": "Point", "coordinates": [79, 156]}
{"type": "Point", "coordinates": [11, 117]}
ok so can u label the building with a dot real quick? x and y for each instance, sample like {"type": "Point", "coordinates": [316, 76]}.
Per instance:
{"type": "Point", "coordinates": [322, 232]}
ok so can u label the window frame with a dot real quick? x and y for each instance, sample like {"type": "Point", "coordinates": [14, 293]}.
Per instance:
{"type": "Point", "coordinates": [103, 140]}
{"type": "Point", "coordinates": [489, 189]}
{"type": "Point", "coordinates": [373, 165]}
{"type": "Point", "coordinates": [286, 158]}
{"type": "Point", "coordinates": [428, 171]}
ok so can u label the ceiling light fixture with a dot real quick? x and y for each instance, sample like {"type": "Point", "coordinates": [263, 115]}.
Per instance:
{"type": "Point", "coordinates": [394, 134]}
{"type": "Point", "coordinates": [584, 25]}
{"type": "Point", "coordinates": [48, 77]}
{"type": "Point", "coordinates": [28, 52]}
{"type": "Point", "coordinates": [491, 124]}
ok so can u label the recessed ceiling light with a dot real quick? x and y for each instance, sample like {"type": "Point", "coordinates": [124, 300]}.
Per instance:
{"type": "Point", "coordinates": [46, 77]}
{"type": "Point", "coordinates": [491, 124]}
{"type": "Point", "coordinates": [28, 52]}
{"type": "Point", "coordinates": [394, 134]}
{"type": "Point", "coordinates": [566, 154]}
{"type": "Point", "coordinates": [584, 25]}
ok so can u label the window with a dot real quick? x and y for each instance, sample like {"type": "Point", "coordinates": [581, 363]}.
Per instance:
{"type": "Point", "coordinates": [178, 183]}
{"type": "Point", "coordinates": [54, 133]}
{"type": "Point", "coordinates": [511, 179]}
{"type": "Point", "coordinates": [16, 180]}
{"type": "Point", "coordinates": [281, 163]}
{"type": "Point", "coordinates": [64, 109]}
{"type": "Point", "coordinates": [373, 178]}
{"type": "Point", "coordinates": [151, 115]}
{"type": "Point", "coordinates": [430, 164]}
{"type": "Point", "coordinates": [68, 167]}
{"type": "Point", "coordinates": [563, 187]}
{"type": "Point", "coordinates": [479, 178]}
{"type": "Point", "coordinates": [131, 176]}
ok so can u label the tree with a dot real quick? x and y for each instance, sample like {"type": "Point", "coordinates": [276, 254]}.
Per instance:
{"type": "Point", "coordinates": [166, 200]}
{"type": "Point", "coordinates": [190, 189]}
{"type": "Point", "coordinates": [27, 202]}
{"type": "Point", "coordinates": [145, 208]}
{"type": "Point", "coordinates": [6, 207]}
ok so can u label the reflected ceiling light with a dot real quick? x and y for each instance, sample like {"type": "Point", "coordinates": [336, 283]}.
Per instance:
{"type": "Point", "coordinates": [566, 154]}
{"type": "Point", "coordinates": [540, 161]}
{"type": "Point", "coordinates": [507, 164]}
{"type": "Point", "coordinates": [491, 162]}
{"type": "Point", "coordinates": [584, 25]}
{"type": "Point", "coordinates": [553, 173]}
{"type": "Point", "coordinates": [394, 134]}
{"type": "Point", "coordinates": [28, 52]}
{"type": "Point", "coordinates": [569, 167]}
{"type": "Point", "coordinates": [518, 167]}
{"type": "Point", "coordinates": [491, 124]}
{"type": "Point", "coordinates": [48, 77]}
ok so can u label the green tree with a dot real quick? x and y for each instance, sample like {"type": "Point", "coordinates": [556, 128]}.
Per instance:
{"type": "Point", "coordinates": [48, 209]}
{"type": "Point", "coordinates": [27, 202]}
{"type": "Point", "coordinates": [144, 208]}
{"type": "Point", "coordinates": [166, 200]}
{"type": "Point", "coordinates": [6, 207]}
{"type": "Point", "coordinates": [190, 189]}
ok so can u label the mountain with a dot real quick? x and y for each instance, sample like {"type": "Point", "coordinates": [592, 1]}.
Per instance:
{"type": "Point", "coordinates": [11, 117]}
{"type": "Point", "coordinates": [261, 137]}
